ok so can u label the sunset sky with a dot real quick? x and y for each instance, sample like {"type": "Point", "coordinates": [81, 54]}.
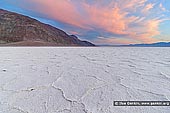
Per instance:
{"type": "Point", "coordinates": [101, 21]}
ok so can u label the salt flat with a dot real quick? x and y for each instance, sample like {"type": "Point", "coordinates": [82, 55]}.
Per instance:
{"type": "Point", "coordinates": [82, 80]}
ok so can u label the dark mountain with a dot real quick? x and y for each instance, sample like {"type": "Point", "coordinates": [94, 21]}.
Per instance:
{"type": "Point", "coordinates": [159, 44]}
{"type": "Point", "coordinates": [19, 30]}
{"type": "Point", "coordinates": [84, 43]}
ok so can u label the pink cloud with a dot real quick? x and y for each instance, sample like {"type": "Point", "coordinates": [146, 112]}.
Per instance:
{"type": "Point", "coordinates": [148, 7]}
{"type": "Point", "coordinates": [109, 19]}
{"type": "Point", "coordinates": [60, 10]}
{"type": "Point", "coordinates": [74, 33]}
{"type": "Point", "coordinates": [146, 30]}
{"type": "Point", "coordinates": [116, 18]}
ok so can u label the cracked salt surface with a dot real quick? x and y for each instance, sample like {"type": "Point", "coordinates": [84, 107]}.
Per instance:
{"type": "Point", "coordinates": [82, 80]}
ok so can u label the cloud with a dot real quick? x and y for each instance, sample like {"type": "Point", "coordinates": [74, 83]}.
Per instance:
{"type": "Point", "coordinates": [109, 19]}
{"type": "Point", "coordinates": [162, 7]}
{"type": "Point", "coordinates": [74, 33]}
{"type": "Point", "coordinates": [148, 7]}
{"type": "Point", "coordinates": [113, 40]}
{"type": "Point", "coordinates": [59, 10]}
{"type": "Point", "coordinates": [134, 20]}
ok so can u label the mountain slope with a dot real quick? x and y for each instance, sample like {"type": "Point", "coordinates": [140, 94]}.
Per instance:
{"type": "Point", "coordinates": [16, 29]}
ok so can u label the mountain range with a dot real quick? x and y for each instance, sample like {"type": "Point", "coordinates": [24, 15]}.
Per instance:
{"type": "Point", "coordinates": [20, 30]}
{"type": "Point", "coordinates": [159, 44]}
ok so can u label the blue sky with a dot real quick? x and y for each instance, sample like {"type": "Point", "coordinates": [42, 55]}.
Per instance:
{"type": "Point", "coordinates": [101, 21]}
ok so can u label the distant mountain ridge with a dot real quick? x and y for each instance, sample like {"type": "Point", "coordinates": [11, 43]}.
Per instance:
{"type": "Point", "coordinates": [159, 44]}
{"type": "Point", "coordinates": [17, 29]}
